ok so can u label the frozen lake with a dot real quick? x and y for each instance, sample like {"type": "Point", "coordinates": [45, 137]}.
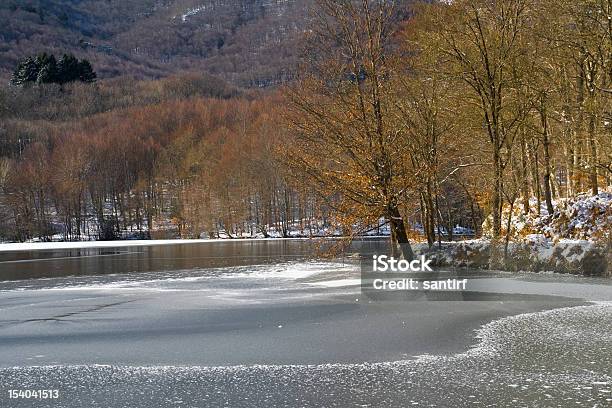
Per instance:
{"type": "Point", "coordinates": [262, 324]}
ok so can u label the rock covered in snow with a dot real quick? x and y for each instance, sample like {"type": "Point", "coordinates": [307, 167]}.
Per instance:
{"type": "Point", "coordinates": [539, 254]}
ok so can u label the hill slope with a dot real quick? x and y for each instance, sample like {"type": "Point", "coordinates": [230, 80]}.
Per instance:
{"type": "Point", "coordinates": [248, 42]}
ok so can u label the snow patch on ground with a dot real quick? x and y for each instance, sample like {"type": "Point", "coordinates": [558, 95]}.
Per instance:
{"type": "Point", "coordinates": [293, 271]}
{"type": "Point", "coordinates": [192, 12]}
{"type": "Point", "coordinates": [337, 283]}
{"type": "Point", "coordinates": [192, 279]}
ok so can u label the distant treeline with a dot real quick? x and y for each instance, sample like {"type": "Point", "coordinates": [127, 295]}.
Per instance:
{"type": "Point", "coordinates": [182, 156]}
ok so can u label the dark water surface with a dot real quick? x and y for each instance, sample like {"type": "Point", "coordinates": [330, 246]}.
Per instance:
{"type": "Point", "coordinates": [17, 265]}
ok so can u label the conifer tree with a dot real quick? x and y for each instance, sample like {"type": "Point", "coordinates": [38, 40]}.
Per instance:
{"type": "Point", "coordinates": [47, 72]}
{"type": "Point", "coordinates": [45, 69]}
{"type": "Point", "coordinates": [68, 69]}
{"type": "Point", "coordinates": [86, 72]}
{"type": "Point", "coordinates": [26, 71]}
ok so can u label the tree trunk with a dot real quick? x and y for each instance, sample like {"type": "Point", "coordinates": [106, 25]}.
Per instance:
{"type": "Point", "coordinates": [496, 194]}
{"type": "Point", "coordinates": [428, 215]}
{"type": "Point", "coordinates": [425, 220]}
{"type": "Point", "coordinates": [508, 230]}
{"type": "Point", "coordinates": [545, 145]}
{"type": "Point", "coordinates": [450, 223]}
{"type": "Point", "coordinates": [580, 81]}
{"type": "Point", "coordinates": [399, 237]}
{"type": "Point", "coordinates": [535, 174]}
{"type": "Point", "coordinates": [568, 152]}
{"type": "Point", "coordinates": [593, 155]}
{"type": "Point", "coordinates": [524, 174]}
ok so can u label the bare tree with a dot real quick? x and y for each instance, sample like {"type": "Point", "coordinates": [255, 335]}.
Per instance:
{"type": "Point", "coordinates": [482, 44]}
{"type": "Point", "coordinates": [346, 140]}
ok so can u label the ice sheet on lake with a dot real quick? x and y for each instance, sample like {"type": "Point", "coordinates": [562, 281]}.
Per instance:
{"type": "Point", "coordinates": [189, 280]}
{"type": "Point", "coordinates": [553, 358]}
{"type": "Point", "coordinates": [336, 283]}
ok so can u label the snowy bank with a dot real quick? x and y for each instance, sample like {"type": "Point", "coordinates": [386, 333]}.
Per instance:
{"type": "Point", "coordinates": [575, 238]}
{"type": "Point", "coordinates": [578, 257]}
{"type": "Point", "coordinates": [584, 217]}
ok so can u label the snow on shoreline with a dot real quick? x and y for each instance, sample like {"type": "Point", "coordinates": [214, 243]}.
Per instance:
{"type": "Point", "coordinates": [584, 217]}
{"type": "Point", "coordinates": [572, 256]}
{"type": "Point", "coordinates": [42, 246]}
{"type": "Point", "coordinates": [37, 246]}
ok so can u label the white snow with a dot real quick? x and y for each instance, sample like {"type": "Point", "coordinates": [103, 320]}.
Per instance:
{"type": "Point", "coordinates": [193, 12]}
{"type": "Point", "coordinates": [33, 246]}
{"type": "Point", "coordinates": [584, 217]}
{"type": "Point", "coordinates": [337, 283]}
{"type": "Point", "coordinates": [293, 271]}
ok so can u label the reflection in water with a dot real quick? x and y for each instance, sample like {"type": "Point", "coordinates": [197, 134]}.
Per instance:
{"type": "Point", "coordinates": [97, 261]}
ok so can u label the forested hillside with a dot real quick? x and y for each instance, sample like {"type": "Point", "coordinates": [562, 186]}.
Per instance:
{"type": "Point", "coordinates": [248, 42]}
{"type": "Point", "coordinates": [445, 122]}
{"type": "Point", "coordinates": [184, 155]}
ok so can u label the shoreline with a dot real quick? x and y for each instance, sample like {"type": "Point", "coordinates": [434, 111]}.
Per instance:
{"type": "Point", "coordinates": [567, 256]}
{"type": "Point", "coordinates": [575, 257]}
